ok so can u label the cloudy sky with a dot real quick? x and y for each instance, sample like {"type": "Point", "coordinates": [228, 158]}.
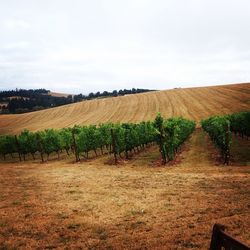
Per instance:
{"type": "Point", "coordinates": [94, 45]}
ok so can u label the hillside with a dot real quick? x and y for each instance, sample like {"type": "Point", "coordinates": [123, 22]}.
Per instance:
{"type": "Point", "coordinates": [193, 103]}
{"type": "Point", "coordinates": [56, 94]}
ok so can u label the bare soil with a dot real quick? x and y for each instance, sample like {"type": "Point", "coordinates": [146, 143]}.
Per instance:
{"type": "Point", "coordinates": [135, 205]}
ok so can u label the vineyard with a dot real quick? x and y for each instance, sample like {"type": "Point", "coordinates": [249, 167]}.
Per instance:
{"type": "Point", "coordinates": [124, 125]}
{"type": "Point", "coordinates": [220, 128]}
{"type": "Point", "coordinates": [117, 139]}
{"type": "Point", "coordinates": [90, 204]}
{"type": "Point", "coordinates": [121, 140]}
{"type": "Point", "coordinates": [77, 200]}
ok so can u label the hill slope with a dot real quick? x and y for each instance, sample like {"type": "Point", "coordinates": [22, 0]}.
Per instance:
{"type": "Point", "coordinates": [193, 103]}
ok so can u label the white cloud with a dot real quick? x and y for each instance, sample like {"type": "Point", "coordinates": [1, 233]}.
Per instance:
{"type": "Point", "coordinates": [15, 24]}
{"type": "Point", "coordinates": [17, 45]}
{"type": "Point", "coordinates": [78, 45]}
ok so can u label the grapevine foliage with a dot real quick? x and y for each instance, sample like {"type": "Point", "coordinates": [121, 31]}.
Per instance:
{"type": "Point", "coordinates": [170, 134]}
{"type": "Point", "coordinates": [218, 128]}
{"type": "Point", "coordinates": [119, 139]}
{"type": "Point", "coordinates": [240, 123]}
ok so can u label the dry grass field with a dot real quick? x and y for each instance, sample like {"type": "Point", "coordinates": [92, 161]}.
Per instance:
{"type": "Point", "coordinates": [135, 205]}
{"type": "Point", "coordinates": [193, 103]}
{"type": "Point", "coordinates": [59, 94]}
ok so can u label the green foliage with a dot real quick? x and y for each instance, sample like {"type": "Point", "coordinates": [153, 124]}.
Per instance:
{"type": "Point", "coordinates": [177, 130]}
{"type": "Point", "coordinates": [27, 142]}
{"type": "Point", "coordinates": [51, 141]}
{"type": "Point", "coordinates": [119, 134]}
{"type": "Point", "coordinates": [88, 139]}
{"type": "Point", "coordinates": [240, 123]}
{"type": "Point", "coordinates": [105, 138]}
{"type": "Point", "coordinates": [65, 135]}
{"type": "Point", "coordinates": [158, 122]}
{"type": "Point", "coordinates": [218, 128]}
{"type": "Point", "coordinates": [7, 145]}
{"type": "Point", "coordinates": [160, 137]}
{"type": "Point", "coordinates": [171, 133]}
{"type": "Point", "coordinates": [127, 137]}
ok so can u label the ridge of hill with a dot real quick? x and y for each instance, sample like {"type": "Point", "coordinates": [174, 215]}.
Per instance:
{"type": "Point", "coordinates": [193, 103]}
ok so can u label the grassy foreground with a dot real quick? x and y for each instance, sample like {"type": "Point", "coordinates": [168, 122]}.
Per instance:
{"type": "Point", "coordinates": [137, 205]}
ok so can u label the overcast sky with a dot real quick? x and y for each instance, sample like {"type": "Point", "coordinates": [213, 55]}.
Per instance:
{"type": "Point", "coordinates": [93, 45]}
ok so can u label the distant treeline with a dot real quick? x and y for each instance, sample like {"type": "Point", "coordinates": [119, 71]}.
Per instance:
{"type": "Point", "coordinates": [22, 100]}
{"type": "Point", "coordinates": [23, 92]}
{"type": "Point", "coordinates": [113, 93]}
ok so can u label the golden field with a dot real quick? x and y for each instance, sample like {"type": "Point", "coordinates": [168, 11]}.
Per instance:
{"type": "Point", "coordinates": [193, 103]}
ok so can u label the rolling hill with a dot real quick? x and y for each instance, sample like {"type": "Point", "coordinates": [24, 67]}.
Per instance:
{"type": "Point", "coordinates": [193, 103]}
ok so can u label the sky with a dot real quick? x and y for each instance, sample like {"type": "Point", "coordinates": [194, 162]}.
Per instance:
{"type": "Point", "coordinates": [82, 46]}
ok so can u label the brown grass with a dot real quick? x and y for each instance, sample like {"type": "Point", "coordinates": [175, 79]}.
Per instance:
{"type": "Point", "coordinates": [136, 205]}
{"type": "Point", "coordinates": [193, 103]}
{"type": "Point", "coordinates": [56, 94]}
